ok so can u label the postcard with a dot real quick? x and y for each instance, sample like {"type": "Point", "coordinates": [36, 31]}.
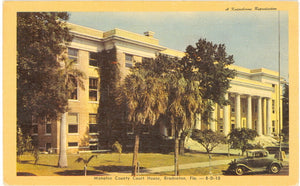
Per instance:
{"type": "Point", "coordinates": [150, 93]}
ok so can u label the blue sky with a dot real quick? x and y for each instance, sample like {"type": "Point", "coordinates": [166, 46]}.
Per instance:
{"type": "Point", "coordinates": [250, 36]}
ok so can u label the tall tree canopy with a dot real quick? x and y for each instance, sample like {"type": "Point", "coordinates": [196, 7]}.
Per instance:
{"type": "Point", "coordinates": [208, 63]}
{"type": "Point", "coordinates": [41, 39]}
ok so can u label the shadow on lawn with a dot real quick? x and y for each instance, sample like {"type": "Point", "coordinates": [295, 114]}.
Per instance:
{"type": "Point", "coordinates": [80, 173]}
{"type": "Point", "coordinates": [115, 168]}
{"type": "Point", "coordinates": [25, 174]}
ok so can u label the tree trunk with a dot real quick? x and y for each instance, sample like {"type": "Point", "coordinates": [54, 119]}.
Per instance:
{"type": "Point", "coordinates": [135, 153]}
{"type": "Point", "coordinates": [63, 162]}
{"type": "Point", "coordinates": [181, 146]}
{"type": "Point", "coordinates": [85, 170]}
{"type": "Point", "coordinates": [176, 154]}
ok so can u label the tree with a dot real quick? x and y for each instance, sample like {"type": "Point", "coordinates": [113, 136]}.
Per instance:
{"type": "Point", "coordinates": [146, 98]}
{"type": "Point", "coordinates": [201, 79]}
{"type": "Point", "coordinates": [118, 148]}
{"type": "Point", "coordinates": [285, 113]}
{"type": "Point", "coordinates": [73, 78]}
{"type": "Point", "coordinates": [184, 102]}
{"type": "Point", "coordinates": [208, 63]}
{"type": "Point", "coordinates": [208, 139]}
{"type": "Point", "coordinates": [239, 138]}
{"type": "Point", "coordinates": [23, 143]}
{"type": "Point", "coordinates": [85, 161]}
{"type": "Point", "coordinates": [41, 37]}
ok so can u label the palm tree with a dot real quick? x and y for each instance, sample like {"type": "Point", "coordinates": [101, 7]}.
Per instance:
{"type": "Point", "coordinates": [146, 99]}
{"type": "Point", "coordinates": [72, 77]}
{"type": "Point", "coordinates": [185, 101]}
{"type": "Point", "coordinates": [85, 161]}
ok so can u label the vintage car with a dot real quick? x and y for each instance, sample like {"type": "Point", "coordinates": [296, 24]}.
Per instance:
{"type": "Point", "coordinates": [255, 161]}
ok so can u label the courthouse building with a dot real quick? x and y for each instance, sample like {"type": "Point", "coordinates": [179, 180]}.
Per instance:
{"type": "Point", "coordinates": [254, 93]}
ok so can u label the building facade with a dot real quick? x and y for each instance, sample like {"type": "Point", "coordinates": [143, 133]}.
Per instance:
{"type": "Point", "coordinates": [254, 93]}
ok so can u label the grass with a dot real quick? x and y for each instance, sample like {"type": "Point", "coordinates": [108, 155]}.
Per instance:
{"type": "Point", "coordinates": [105, 163]}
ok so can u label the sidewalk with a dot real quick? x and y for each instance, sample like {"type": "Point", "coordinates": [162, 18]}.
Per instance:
{"type": "Point", "coordinates": [185, 166]}
{"type": "Point", "coordinates": [171, 168]}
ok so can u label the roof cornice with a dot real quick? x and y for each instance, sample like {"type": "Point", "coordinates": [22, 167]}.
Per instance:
{"type": "Point", "coordinates": [143, 44]}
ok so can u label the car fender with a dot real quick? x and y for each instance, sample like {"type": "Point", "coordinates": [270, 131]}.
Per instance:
{"type": "Point", "coordinates": [247, 168]}
{"type": "Point", "coordinates": [278, 163]}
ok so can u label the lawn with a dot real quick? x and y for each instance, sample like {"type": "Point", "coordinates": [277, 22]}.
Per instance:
{"type": "Point", "coordinates": [104, 163]}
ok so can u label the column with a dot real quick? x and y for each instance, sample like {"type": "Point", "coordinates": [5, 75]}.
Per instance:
{"type": "Point", "coordinates": [226, 117]}
{"type": "Point", "coordinates": [238, 111]}
{"type": "Point", "coordinates": [198, 121]}
{"type": "Point", "coordinates": [249, 113]}
{"type": "Point", "coordinates": [269, 111]}
{"type": "Point", "coordinates": [213, 119]}
{"type": "Point", "coordinates": [264, 122]}
{"type": "Point", "coordinates": [259, 117]}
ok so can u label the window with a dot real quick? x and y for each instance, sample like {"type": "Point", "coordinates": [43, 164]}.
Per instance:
{"type": "Point", "coordinates": [128, 60]}
{"type": "Point", "coordinates": [93, 59]}
{"type": "Point", "coordinates": [255, 108]}
{"type": "Point", "coordinates": [273, 106]}
{"type": "Point", "coordinates": [73, 123]}
{"type": "Point", "coordinates": [73, 144]}
{"type": "Point", "coordinates": [93, 89]}
{"type": "Point", "coordinates": [221, 128]}
{"type": "Point", "coordinates": [233, 106]}
{"type": "Point", "coordinates": [244, 123]}
{"type": "Point", "coordinates": [93, 124]}
{"type": "Point", "coordinates": [34, 128]}
{"type": "Point", "coordinates": [73, 54]}
{"type": "Point", "coordinates": [48, 128]}
{"type": "Point", "coordinates": [73, 95]}
{"type": "Point", "coordinates": [273, 126]}
{"type": "Point", "coordinates": [93, 143]}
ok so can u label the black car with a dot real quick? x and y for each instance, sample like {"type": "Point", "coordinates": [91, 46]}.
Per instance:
{"type": "Point", "coordinates": [255, 161]}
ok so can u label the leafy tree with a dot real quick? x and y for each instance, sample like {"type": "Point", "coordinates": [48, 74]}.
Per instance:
{"type": "Point", "coordinates": [24, 143]}
{"type": "Point", "coordinates": [118, 148]}
{"type": "Point", "coordinates": [208, 139]}
{"type": "Point", "coordinates": [208, 63]}
{"type": "Point", "coordinates": [146, 98]}
{"type": "Point", "coordinates": [285, 112]}
{"type": "Point", "coordinates": [40, 40]}
{"type": "Point", "coordinates": [239, 138]}
{"type": "Point", "coordinates": [85, 161]}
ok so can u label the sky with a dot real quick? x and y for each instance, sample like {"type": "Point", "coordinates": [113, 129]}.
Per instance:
{"type": "Point", "coordinates": [250, 36]}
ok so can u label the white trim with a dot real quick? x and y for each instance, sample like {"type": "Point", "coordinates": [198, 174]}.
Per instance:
{"type": "Point", "coordinates": [135, 42]}
{"type": "Point", "coordinates": [86, 36]}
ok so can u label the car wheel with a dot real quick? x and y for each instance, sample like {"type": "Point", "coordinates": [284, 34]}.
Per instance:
{"type": "Point", "coordinates": [239, 170]}
{"type": "Point", "coordinates": [274, 169]}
